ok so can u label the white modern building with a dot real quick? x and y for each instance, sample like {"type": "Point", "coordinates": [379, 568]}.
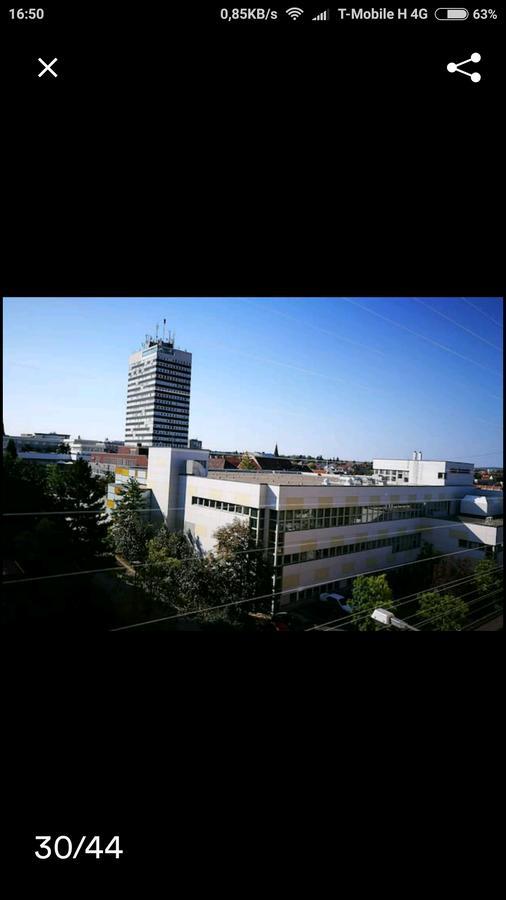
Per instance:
{"type": "Point", "coordinates": [39, 441]}
{"type": "Point", "coordinates": [320, 535]}
{"type": "Point", "coordinates": [82, 448]}
{"type": "Point", "coordinates": [317, 532]}
{"type": "Point", "coordinates": [423, 471]}
{"type": "Point", "coordinates": [39, 458]}
{"type": "Point", "coordinates": [158, 395]}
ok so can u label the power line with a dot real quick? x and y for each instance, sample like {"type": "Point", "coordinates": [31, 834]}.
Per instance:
{"type": "Point", "coordinates": [283, 507]}
{"type": "Point", "coordinates": [422, 336]}
{"type": "Point", "coordinates": [267, 549]}
{"type": "Point", "coordinates": [276, 362]}
{"type": "Point", "coordinates": [401, 601]}
{"type": "Point", "coordinates": [487, 618]}
{"type": "Point", "coordinates": [341, 337]}
{"type": "Point", "coordinates": [325, 331]}
{"type": "Point", "coordinates": [65, 575]}
{"type": "Point", "coordinates": [270, 595]}
{"type": "Point", "coordinates": [477, 308]}
{"type": "Point", "coordinates": [444, 316]}
{"type": "Point", "coordinates": [351, 619]}
{"type": "Point", "coordinates": [469, 603]}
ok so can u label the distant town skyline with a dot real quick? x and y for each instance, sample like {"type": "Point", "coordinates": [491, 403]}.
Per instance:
{"type": "Point", "coordinates": [351, 377]}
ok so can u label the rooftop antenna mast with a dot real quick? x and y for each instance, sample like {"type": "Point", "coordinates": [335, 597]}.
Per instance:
{"type": "Point", "coordinates": [164, 321]}
{"type": "Point", "coordinates": [156, 332]}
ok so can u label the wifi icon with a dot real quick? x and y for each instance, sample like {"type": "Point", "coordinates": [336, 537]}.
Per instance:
{"type": "Point", "coordinates": [294, 12]}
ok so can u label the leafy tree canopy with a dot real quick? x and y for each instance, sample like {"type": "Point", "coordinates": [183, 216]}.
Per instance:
{"type": "Point", "coordinates": [488, 577]}
{"type": "Point", "coordinates": [75, 489]}
{"type": "Point", "coordinates": [129, 531]}
{"type": "Point", "coordinates": [368, 593]}
{"type": "Point", "coordinates": [442, 612]}
{"type": "Point", "coordinates": [246, 462]}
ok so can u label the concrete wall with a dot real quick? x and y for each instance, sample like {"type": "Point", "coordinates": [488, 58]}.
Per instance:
{"type": "Point", "coordinates": [304, 575]}
{"type": "Point", "coordinates": [293, 497]}
{"type": "Point", "coordinates": [165, 467]}
{"type": "Point", "coordinates": [203, 521]}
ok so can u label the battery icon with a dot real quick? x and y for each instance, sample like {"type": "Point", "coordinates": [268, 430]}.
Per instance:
{"type": "Point", "coordinates": [451, 15]}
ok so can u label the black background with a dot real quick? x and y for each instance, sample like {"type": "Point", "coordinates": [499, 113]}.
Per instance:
{"type": "Point", "coordinates": [177, 154]}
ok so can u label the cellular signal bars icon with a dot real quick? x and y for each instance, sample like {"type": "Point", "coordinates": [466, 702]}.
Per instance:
{"type": "Point", "coordinates": [322, 17]}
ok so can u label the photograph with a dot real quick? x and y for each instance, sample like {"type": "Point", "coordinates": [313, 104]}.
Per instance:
{"type": "Point", "coordinates": [288, 464]}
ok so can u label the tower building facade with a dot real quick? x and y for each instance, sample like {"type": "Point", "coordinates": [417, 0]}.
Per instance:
{"type": "Point", "coordinates": [158, 395]}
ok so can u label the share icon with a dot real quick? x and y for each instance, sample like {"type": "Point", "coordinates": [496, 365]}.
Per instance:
{"type": "Point", "coordinates": [455, 67]}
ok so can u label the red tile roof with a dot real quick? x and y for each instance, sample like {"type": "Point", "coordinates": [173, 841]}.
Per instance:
{"type": "Point", "coordinates": [224, 462]}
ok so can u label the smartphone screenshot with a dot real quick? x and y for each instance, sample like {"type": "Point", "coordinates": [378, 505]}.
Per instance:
{"type": "Point", "coordinates": [252, 392]}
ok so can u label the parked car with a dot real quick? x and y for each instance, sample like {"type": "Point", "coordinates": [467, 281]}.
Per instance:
{"type": "Point", "coordinates": [292, 621]}
{"type": "Point", "coordinates": [340, 600]}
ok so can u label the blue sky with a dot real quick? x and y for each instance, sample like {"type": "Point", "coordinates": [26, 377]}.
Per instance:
{"type": "Point", "coordinates": [352, 377]}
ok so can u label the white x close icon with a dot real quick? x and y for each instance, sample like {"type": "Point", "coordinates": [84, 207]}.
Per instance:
{"type": "Point", "coordinates": [47, 67]}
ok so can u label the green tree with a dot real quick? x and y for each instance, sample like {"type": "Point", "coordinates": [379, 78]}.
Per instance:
{"type": "Point", "coordinates": [246, 462]}
{"type": "Point", "coordinates": [158, 577]}
{"type": "Point", "coordinates": [488, 578]}
{"type": "Point", "coordinates": [240, 566]}
{"type": "Point", "coordinates": [370, 592]}
{"type": "Point", "coordinates": [42, 541]}
{"type": "Point", "coordinates": [200, 587]}
{"type": "Point", "coordinates": [443, 612]}
{"type": "Point", "coordinates": [63, 447]}
{"type": "Point", "coordinates": [11, 449]}
{"type": "Point", "coordinates": [76, 490]}
{"type": "Point", "coordinates": [46, 545]}
{"type": "Point", "coordinates": [174, 544]}
{"type": "Point", "coordinates": [161, 575]}
{"type": "Point", "coordinates": [106, 479]}
{"type": "Point", "coordinates": [128, 530]}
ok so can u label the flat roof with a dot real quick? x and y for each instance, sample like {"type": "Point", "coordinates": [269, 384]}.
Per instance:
{"type": "Point", "coordinates": [490, 521]}
{"type": "Point", "coordinates": [406, 459]}
{"type": "Point", "coordinates": [264, 477]}
{"type": "Point", "coordinates": [286, 478]}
